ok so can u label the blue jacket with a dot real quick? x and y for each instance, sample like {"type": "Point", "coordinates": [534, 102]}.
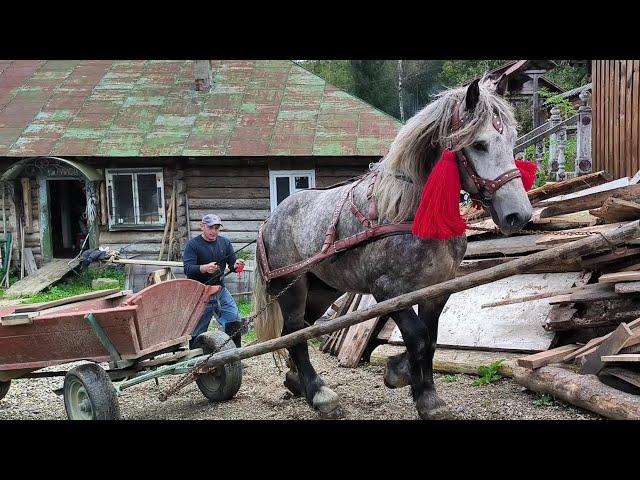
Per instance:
{"type": "Point", "coordinates": [198, 252]}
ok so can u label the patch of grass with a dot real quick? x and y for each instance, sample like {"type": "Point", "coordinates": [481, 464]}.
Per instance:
{"type": "Point", "coordinates": [488, 373]}
{"type": "Point", "coordinates": [545, 400]}
{"type": "Point", "coordinates": [76, 284]}
{"type": "Point", "coordinates": [315, 342]}
{"type": "Point", "coordinates": [250, 336]}
{"type": "Point", "coordinates": [485, 403]}
{"type": "Point", "coordinates": [245, 308]}
{"type": "Point", "coordinates": [450, 378]}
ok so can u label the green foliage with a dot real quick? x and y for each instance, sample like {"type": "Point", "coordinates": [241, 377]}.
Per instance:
{"type": "Point", "coordinates": [488, 373]}
{"type": "Point", "coordinates": [73, 284]}
{"type": "Point", "coordinates": [524, 117]}
{"type": "Point", "coordinates": [245, 308]}
{"type": "Point", "coordinates": [336, 72]}
{"type": "Point", "coordinates": [250, 336]}
{"type": "Point", "coordinates": [455, 72]}
{"type": "Point", "coordinates": [568, 76]}
{"type": "Point", "coordinates": [553, 100]}
{"type": "Point", "coordinates": [450, 378]}
{"type": "Point", "coordinates": [545, 400]}
{"type": "Point", "coordinates": [244, 255]}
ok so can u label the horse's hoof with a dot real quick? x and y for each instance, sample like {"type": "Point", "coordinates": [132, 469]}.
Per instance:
{"type": "Point", "coordinates": [396, 373]}
{"type": "Point", "coordinates": [292, 383]}
{"type": "Point", "coordinates": [325, 400]}
{"type": "Point", "coordinates": [432, 407]}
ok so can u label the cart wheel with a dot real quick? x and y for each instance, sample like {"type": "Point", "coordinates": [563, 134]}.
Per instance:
{"type": "Point", "coordinates": [89, 394]}
{"type": "Point", "coordinates": [223, 382]}
{"type": "Point", "coordinates": [4, 388]}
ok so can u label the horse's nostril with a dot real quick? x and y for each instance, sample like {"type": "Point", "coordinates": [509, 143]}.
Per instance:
{"type": "Point", "coordinates": [513, 219]}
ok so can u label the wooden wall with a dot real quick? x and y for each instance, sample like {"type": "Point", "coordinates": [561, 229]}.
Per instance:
{"type": "Point", "coordinates": [616, 116]}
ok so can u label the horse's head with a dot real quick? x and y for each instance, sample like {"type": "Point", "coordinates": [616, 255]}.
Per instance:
{"type": "Point", "coordinates": [485, 127]}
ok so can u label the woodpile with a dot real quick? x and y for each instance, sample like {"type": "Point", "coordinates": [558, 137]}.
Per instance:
{"type": "Point", "coordinates": [583, 314]}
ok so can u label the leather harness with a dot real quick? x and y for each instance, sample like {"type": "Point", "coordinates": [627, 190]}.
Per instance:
{"type": "Point", "coordinates": [486, 190]}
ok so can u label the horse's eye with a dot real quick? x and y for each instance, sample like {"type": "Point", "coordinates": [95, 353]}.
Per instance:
{"type": "Point", "coordinates": [481, 146]}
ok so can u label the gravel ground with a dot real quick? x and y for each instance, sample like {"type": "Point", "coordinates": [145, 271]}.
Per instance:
{"type": "Point", "coordinates": [263, 396]}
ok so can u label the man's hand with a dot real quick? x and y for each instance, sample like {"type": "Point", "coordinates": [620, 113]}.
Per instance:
{"type": "Point", "coordinates": [209, 267]}
{"type": "Point", "coordinates": [238, 266]}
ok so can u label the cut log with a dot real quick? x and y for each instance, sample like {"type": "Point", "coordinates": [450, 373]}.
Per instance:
{"type": "Point", "coordinates": [580, 247]}
{"type": "Point", "coordinates": [588, 202]}
{"type": "Point", "coordinates": [628, 287]}
{"type": "Point", "coordinates": [568, 186]}
{"type": "Point", "coordinates": [584, 391]}
{"type": "Point", "coordinates": [617, 210]}
{"type": "Point", "coordinates": [610, 346]}
{"type": "Point", "coordinates": [620, 277]}
{"type": "Point", "coordinates": [450, 360]}
{"type": "Point", "coordinates": [613, 185]}
{"type": "Point", "coordinates": [555, 355]}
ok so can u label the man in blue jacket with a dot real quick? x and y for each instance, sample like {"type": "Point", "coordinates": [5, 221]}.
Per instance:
{"type": "Point", "coordinates": [205, 259]}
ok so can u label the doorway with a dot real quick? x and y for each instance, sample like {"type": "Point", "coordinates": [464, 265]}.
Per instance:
{"type": "Point", "coordinates": [67, 216]}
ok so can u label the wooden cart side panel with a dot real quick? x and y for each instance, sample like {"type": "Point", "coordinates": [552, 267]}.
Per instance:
{"type": "Point", "coordinates": [168, 310]}
{"type": "Point", "coordinates": [52, 340]}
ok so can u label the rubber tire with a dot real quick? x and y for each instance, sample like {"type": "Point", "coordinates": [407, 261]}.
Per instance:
{"type": "Point", "coordinates": [99, 390]}
{"type": "Point", "coordinates": [226, 383]}
{"type": "Point", "coordinates": [4, 388]}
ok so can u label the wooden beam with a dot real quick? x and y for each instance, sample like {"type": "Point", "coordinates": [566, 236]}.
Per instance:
{"type": "Point", "coordinates": [35, 307]}
{"type": "Point", "coordinates": [610, 346]}
{"type": "Point", "coordinates": [26, 203]}
{"type": "Point", "coordinates": [588, 289]}
{"type": "Point", "coordinates": [568, 186]}
{"type": "Point", "coordinates": [588, 202]}
{"type": "Point", "coordinates": [555, 355]}
{"type": "Point", "coordinates": [617, 210]}
{"type": "Point", "coordinates": [627, 287]}
{"type": "Point", "coordinates": [584, 391]}
{"type": "Point", "coordinates": [624, 357]}
{"type": "Point", "coordinates": [619, 277]}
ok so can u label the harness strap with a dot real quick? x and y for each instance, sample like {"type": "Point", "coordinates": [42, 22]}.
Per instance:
{"type": "Point", "coordinates": [347, 243]}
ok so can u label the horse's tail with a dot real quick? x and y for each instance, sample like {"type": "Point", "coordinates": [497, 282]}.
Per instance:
{"type": "Point", "coordinates": [269, 323]}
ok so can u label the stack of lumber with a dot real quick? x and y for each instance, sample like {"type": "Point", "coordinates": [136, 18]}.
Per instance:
{"type": "Point", "coordinates": [559, 308]}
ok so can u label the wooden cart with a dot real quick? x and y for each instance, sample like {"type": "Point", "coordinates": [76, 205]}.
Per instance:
{"type": "Point", "coordinates": [142, 336]}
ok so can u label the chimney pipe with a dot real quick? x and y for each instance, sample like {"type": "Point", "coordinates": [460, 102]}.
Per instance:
{"type": "Point", "coordinates": [202, 72]}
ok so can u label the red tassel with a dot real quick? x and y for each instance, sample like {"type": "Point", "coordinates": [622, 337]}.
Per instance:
{"type": "Point", "coordinates": [528, 171]}
{"type": "Point", "coordinates": [438, 215]}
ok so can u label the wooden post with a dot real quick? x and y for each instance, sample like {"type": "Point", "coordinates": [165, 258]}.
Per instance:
{"type": "Point", "coordinates": [562, 141]}
{"type": "Point", "coordinates": [522, 265]}
{"type": "Point", "coordinates": [104, 220]}
{"type": "Point", "coordinates": [26, 202]}
{"type": "Point", "coordinates": [583, 155]}
{"type": "Point", "coordinates": [401, 104]}
{"type": "Point", "coordinates": [553, 144]}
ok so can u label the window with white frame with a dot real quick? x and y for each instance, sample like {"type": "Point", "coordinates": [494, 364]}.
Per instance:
{"type": "Point", "coordinates": [283, 183]}
{"type": "Point", "coordinates": [135, 197]}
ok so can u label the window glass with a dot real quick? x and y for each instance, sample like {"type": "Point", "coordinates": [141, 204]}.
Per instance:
{"type": "Point", "coordinates": [282, 189]}
{"type": "Point", "coordinates": [148, 198]}
{"type": "Point", "coordinates": [123, 199]}
{"type": "Point", "coordinates": [302, 182]}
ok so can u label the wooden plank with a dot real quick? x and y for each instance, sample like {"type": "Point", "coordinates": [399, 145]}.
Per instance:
{"type": "Point", "coordinates": [538, 296]}
{"type": "Point", "coordinates": [49, 273]}
{"type": "Point", "coordinates": [635, 121]}
{"type": "Point", "coordinates": [617, 210]}
{"type": "Point", "coordinates": [619, 277]}
{"type": "Point", "coordinates": [629, 287]}
{"type": "Point", "coordinates": [590, 293]}
{"type": "Point", "coordinates": [205, 192]}
{"type": "Point", "coordinates": [388, 327]}
{"type": "Point", "coordinates": [229, 215]}
{"type": "Point", "coordinates": [358, 337]}
{"type": "Point", "coordinates": [555, 355]}
{"type": "Point", "coordinates": [216, 204]}
{"type": "Point", "coordinates": [609, 346]}
{"type": "Point", "coordinates": [623, 357]}
{"type": "Point", "coordinates": [26, 202]}
{"type": "Point", "coordinates": [571, 185]}
{"type": "Point", "coordinates": [588, 202]}
{"type": "Point", "coordinates": [504, 246]}
{"type": "Point", "coordinates": [30, 263]}
{"type": "Point", "coordinates": [133, 261]}
{"type": "Point", "coordinates": [628, 116]}
{"type": "Point", "coordinates": [575, 233]}
{"type": "Point", "coordinates": [508, 327]}
{"type": "Point", "coordinates": [594, 342]}
{"type": "Point", "coordinates": [604, 187]}
{"type": "Point", "coordinates": [584, 391]}
{"type": "Point", "coordinates": [35, 307]}
{"type": "Point", "coordinates": [628, 376]}
{"type": "Point", "coordinates": [450, 360]}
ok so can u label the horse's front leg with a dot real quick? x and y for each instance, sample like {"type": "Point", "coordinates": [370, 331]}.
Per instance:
{"type": "Point", "coordinates": [415, 366]}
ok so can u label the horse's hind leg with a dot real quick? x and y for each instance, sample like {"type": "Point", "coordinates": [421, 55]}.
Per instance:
{"type": "Point", "coordinates": [318, 395]}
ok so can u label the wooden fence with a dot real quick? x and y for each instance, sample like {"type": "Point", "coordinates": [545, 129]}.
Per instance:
{"type": "Point", "coordinates": [616, 116]}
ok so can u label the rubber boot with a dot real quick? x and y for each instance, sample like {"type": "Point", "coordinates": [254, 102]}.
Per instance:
{"type": "Point", "coordinates": [234, 330]}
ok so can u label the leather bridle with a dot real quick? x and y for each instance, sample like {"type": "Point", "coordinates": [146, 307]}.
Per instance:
{"type": "Point", "coordinates": [486, 187]}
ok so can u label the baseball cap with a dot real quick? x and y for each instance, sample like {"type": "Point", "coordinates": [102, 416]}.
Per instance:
{"type": "Point", "coordinates": [211, 219]}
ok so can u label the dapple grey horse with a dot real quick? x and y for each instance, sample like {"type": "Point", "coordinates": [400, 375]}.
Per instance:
{"type": "Point", "coordinates": [392, 265]}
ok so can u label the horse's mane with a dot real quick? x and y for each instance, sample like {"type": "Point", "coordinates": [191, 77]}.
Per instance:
{"type": "Point", "coordinates": [417, 147]}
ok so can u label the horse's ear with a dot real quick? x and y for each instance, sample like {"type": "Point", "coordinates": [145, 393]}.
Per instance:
{"type": "Point", "coordinates": [501, 85]}
{"type": "Point", "coordinates": [472, 96]}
